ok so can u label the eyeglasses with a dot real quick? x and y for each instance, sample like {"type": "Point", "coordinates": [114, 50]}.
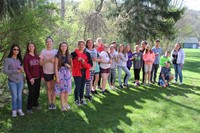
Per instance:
{"type": "Point", "coordinates": [15, 49]}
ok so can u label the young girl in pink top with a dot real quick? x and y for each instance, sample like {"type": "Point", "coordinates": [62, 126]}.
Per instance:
{"type": "Point", "coordinates": [148, 58]}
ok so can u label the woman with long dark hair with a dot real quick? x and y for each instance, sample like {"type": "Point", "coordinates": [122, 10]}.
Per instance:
{"type": "Point", "coordinates": [63, 85]}
{"type": "Point", "coordinates": [13, 68]}
{"type": "Point", "coordinates": [34, 73]}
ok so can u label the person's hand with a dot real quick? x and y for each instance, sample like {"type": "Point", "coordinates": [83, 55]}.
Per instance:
{"type": "Point", "coordinates": [94, 59]}
{"type": "Point", "coordinates": [110, 62]}
{"type": "Point", "coordinates": [83, 61]}
{"type": "Point", "coordinates": [52, 60]}
{"type": "Point", "coordinates": [32, 81]}
{"type": "Point", "coordinates": [166, 83]}
{"type": "Point", "coordinates": [181, 65]}
{"type": "Point", "coordinates": [57, 80]}
{"type": "Point", "coordinates": [21, 69]}
{"type": "Point", "coordinates": [120, 56]}
{"type": "Point", "coordinates": [42, 79]}
{"type": "Point", "coordinates": [67, 65]}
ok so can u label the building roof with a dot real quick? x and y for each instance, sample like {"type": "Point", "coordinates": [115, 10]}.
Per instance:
{"type": "Point", "coordinates": [190, 40]}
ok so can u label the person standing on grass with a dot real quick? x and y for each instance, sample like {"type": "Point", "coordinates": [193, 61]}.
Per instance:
{"type": "Point", "coordinates": [148, 58]}
{"type": "Point", "coordinates": [129, 61]}
{"type": "Point", "coordinates": [81, 64]}
{"type": "Point", "coordinates": [143, 46]}
{"type": "Point", "coordinates": [105, 62]}
{"type": "Point", "coordinates": [178, 57]}
{"type": "Point", "coordinates": [137, 64]}
{"type": "Point", "coordinates": [34, 73]}
{"type": "Point", "coordinates": [158, 51]}
{"type": "Point", "coordinates": [165, 58]}
{"type": "Point", "coordinates": [63, 85]}
{"type": "Point", "coordinates": [13, 68]}
{"type": "Point", "coordinates": [165, 75]}
{"type": "Point", "coordinates": [97, 71]}
{"type": "Point", "coordinates": [112, 75]}
{"type": "Point", "coordinates": [100, 48]}
{"type": "Point", "coordinates": [121, 65]}
{"type": "Point", "coordinates": [47, 59]}
{"type": "Point", "coordinates": [93, 54]}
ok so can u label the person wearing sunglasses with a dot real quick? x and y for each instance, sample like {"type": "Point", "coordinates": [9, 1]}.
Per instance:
{"type": "Point", "coordinates": [13, 68]}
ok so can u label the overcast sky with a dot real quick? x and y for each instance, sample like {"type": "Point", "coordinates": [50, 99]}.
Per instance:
{"type": "Point", "coordinates": [192, 4]}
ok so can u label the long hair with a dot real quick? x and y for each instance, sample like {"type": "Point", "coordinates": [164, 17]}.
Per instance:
{"type": "Point", "coordinates": [130, 48]}
{"type": "Point", "coordinates": [146, 49]}
{"type": "Point", "coordinates": [60, 60]}
{"type": "Point", "coordinates": [19, 56]}
{"type": "Point", "coordinates": [27, 50]}
{"type": "Point", "coordinates": [124, 51]}
{"type": "Point", "coordinates": [89, 39]}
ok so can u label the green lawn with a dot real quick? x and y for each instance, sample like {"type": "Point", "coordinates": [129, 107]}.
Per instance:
{"type": "Point", "coordinates": [136, 110]}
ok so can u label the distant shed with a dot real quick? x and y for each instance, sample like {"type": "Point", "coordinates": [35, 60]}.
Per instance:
{"type": "Point", "coordinates": [191, 42]}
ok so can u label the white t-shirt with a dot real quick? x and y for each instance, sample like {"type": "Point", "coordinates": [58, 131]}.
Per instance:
{"type": "Point", "coordinates": [45, 55]}
{"type": "Point", "coordinates": [114, 63]}
{"type": "Point", "coordinates": [104, 56]}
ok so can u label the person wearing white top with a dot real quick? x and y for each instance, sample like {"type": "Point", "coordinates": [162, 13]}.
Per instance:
{"type": "Point", "coordinates": [121, 65]}
{"type": "Point", "coordinates": [105, 63]}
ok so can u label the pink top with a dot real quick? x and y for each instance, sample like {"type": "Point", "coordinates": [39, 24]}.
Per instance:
{"type": "Point", "coordinates": [45, 55]}
{"type": "Point", "coordinates": [149, 58]}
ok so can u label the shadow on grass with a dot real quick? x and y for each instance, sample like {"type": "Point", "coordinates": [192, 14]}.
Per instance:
{"type": "Point", "coordinates": [104, 114]}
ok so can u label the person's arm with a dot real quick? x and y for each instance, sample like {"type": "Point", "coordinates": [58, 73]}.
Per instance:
{"type": "Point", "coordinates": [26, 68]}
{"type": "Point", "coordinates": [56, 70]}
{"type": "Point", "coordinates": [6, 70]}
{"type": "Point", "coordinates": [182, 57]}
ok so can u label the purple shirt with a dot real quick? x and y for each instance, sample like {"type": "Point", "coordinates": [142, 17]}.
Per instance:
{"type": "Point", "coordinates": [129, 62]}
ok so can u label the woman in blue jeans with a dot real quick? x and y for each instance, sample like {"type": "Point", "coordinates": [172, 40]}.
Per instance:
{"type": "Point", "coordinates": [13, 68]}
{"type": "Point", "coordinates": [121, 65]}
{"type": "Point", "coordinates": [178, 57]}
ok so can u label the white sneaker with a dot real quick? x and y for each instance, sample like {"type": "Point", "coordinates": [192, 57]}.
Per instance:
{"type": "Point", "coordinates": [14, 113]}
{"type": "Point", "coordinates": [67, 107]}
{"type": "Point", "coordinates": [180, 83]}
{"type": "Point", "coordinates": [175, 82]}
{"type": "Point", "coordinates": [20, 112]}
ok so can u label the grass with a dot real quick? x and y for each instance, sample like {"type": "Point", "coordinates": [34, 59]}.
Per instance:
{"type": "Point", "coordinates": [137, 110]}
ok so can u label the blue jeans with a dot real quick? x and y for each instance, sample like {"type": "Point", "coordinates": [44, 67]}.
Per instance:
{"type": "Point", "coordinates": [16, 93]}
{"type": "Point", "coordinates": [125, 69]}
{"type": "Point", "coordinates": [178, 72]}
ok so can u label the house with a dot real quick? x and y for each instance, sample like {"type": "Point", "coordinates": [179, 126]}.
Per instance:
{"type": "Point", "coordinates": [190, 42]}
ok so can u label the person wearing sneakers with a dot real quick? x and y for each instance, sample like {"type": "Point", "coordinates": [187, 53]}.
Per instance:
{"type": "Point", "coordinates": [93, 54]}
{"type": "Point", "coordinates": [121, 65]}
{"type": "Point", "coordinates": [13, 68]}
{"type": "Point", "coordinates": [112, 75]}
{"type": "Point", "coordinates": [148, 58]}
{"type": "Point", "coordinates": [137, 64]}
{"type": "Point", "coordinates": [105, 67]}
{"type": "Point", "coordinates": [34, 74]}
{"type": "Point", "coordinates": [81, 64]}
{"type": "Point", "coordinates": [165, 75]}
{"type": "Point", "coordinates": [63, 86]}
{"type": "Point", "coordinates": [47, 59]}
{"type": "Point", "coordinates": [178, 57]}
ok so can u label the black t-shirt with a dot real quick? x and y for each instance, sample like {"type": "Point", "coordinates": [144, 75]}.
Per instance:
{"type": "Point", "coordinates": [174, 56]}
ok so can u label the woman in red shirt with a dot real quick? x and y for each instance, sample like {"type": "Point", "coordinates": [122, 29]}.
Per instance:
{"type": "Point", "coordinates": [81, 64]}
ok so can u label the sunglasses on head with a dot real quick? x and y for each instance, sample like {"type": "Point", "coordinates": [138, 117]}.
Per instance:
{"type": "Point", "coordinates": [16, 49]}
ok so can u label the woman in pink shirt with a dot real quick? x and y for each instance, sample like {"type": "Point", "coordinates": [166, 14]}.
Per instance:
{"type": "Point", "coordinates": [148, 58]}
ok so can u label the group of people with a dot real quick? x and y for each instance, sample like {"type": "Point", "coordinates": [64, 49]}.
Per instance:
{"type": "Point", "coordinates": [91, 64]}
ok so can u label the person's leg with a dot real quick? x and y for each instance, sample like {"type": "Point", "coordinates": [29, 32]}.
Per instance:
{"type": "Point", "coordinates": [31, 89]}
{"type": "Point", "coordinates": [143, 73]}
{"type": "Point", "coordinates": [53, 94]}
{"type": "Point", "coordinates": [176, 72]}
{"type": "Point", "coordinates": [99, 82]}
{"type": "Point", "coordinates": [110, 77]}
{"type": "Point", "coordinates": [155, 71]}
{"type": "Point", "coordinates": [180, 73]}
{"type": "Point", "coordinates": [114, 76]}
{"type": "Point", "coordinates": [20, 86]}
{"type": "Point", "coordinates": [13, 91]}
{"type": "Point", "coordinates": [49, 91]}
{"type": "Point", "coordinates": [96, 80]}
{"type": "Point", "coordinates": [119, 69]}
{"type": "Point", "coordinates": [77, 81]}
{"type": "Point", "coordinates": [83, 81]}
{"type": "Point", "coordinates": [36, 92]}
{"type": "Point", "coordinates": [104, 79]}
{"type": "Point", "coordinates": [152, 72]}
{"type": "Point", "coordinates": [62, 100]}
{"type": "Point", "coordinates": [126, 70]}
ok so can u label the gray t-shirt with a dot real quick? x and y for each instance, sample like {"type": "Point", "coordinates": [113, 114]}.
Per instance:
{"type": "Point", "coordinates": [137, 62]}
{"type": "Point", "coordinates": [10, 68]}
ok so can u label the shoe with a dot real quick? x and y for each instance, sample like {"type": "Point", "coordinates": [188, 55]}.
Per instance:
{"type": "Point", "coordinates": [89, 98]}
{"type": "Point", "coordinates": [29, 111]}
{"type": "Point", "coordinates": [107, 91]}
{"type": "Point", "coordinates": [127, 86]}
{"type": "Point", "coordinates": [20, 112]}
{"type": "Point", "coordinates": [95, 92]}
{"type": "Point", "coordinates": [63, 109]}
{"type": "Point", "coordinates": [82, 102]}
{"type": "Point", "coordinates": [37, 107]}
{"type": "Point", "coordinates": [53, 106]}
{"type": "Point", "coordinates": [175, 82]}
{"type": "Point", "coordinates": [136, 84]}
{"type": "Point", "coordinates": [14, 113]}
{"type": "Point", "coordinates": [103, 92]}
{"type": "Point", "coordinates": [77, 103]}
{"type": "Point", "coordinates": [92, 92]}
{"type": "Point", "coordinates": [50, 107]}
{"type": "Point", "coordinates": [67, 107]}
{"type": "Point", "coordinates": [121, 86]}
{"type": "Point", "coordinates": [180, 83]}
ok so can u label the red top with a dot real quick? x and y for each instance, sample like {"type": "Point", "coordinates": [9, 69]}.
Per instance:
{"type": "Point", "coordinates": [32, 66]}
{"type": "Point", "coordinates": [77, 65]}
{"type": "Point", "coordinates": [149, 58]}
{"type": "Point", "coordinates": [100, 48]}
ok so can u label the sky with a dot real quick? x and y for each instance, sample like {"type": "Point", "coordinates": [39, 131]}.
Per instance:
{"type": "Point", "coordinates": [192, 4]}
